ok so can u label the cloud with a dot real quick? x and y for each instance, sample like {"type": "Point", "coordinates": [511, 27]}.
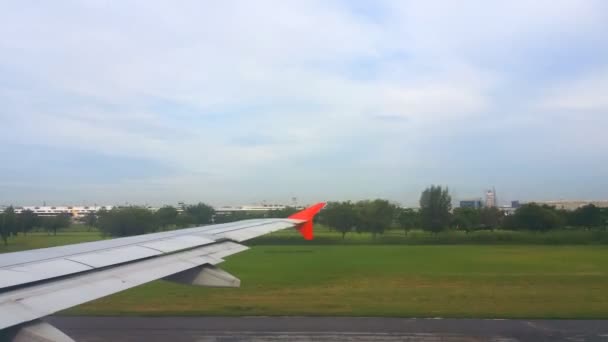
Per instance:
{"type": "Point", "coordinates": [584, 94]}
{"type": "Point", "coordinates": [269, 95]}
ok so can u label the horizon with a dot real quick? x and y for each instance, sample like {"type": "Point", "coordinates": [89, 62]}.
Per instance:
{"type": "Point", "coordinates": [455, 203]}
{"type": "Point", "coordinates": [240, 102]}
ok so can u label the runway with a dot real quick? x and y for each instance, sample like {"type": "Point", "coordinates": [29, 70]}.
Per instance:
{"type": "Point", "coordinates": [300, 329]}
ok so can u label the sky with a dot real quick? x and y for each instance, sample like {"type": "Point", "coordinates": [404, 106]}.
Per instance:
{"type": "Point", "coordinates": [233, 102]}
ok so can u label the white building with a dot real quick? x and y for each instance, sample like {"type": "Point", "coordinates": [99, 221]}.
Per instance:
{"type": "Point", "coordinates": [74, 211]}
{"type": "Point", "coordinates": [249, 208]}
{"type": "Point", "coordinates": [82, 211]}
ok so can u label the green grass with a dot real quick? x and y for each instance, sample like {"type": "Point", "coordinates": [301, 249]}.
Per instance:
{"type": "Point", "coordinates": [43, 239]}
{"type": "Point", "coordinates": [404, 281]}
{"type": "Point", "coordinates": [494, 281]}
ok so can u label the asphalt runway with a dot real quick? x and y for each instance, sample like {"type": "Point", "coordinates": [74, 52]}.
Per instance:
{"type": "Point", "coordinates": [300, 329]}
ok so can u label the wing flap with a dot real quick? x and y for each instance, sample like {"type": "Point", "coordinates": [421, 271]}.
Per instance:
{"type": "Point", "coordinates": [29, 273]}
{"type": "Point", "coordinates": [178, 243]}
{"type": "Point", "coordinates": [114, 256]}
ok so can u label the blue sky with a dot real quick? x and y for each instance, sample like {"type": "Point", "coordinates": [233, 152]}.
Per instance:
{"type": "Point", "coordinates": [233, 102]}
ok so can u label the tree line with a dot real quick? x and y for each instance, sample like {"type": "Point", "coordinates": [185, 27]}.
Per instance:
{"type": "Point", "coordinates": [368, 216]}
{"type": "Point", "coordinates": [13, 224]}
{"type": "Point", "coordinates": [436, 214]}
{"type": "Point", "coordinates": [127, 221]}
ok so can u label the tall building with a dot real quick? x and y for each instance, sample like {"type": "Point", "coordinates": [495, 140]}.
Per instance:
{"type": "Point", "coordinates": [491, 198]}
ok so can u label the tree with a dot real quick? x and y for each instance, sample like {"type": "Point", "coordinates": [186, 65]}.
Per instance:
{"type": "Point", "coordinates": [466, 219]}
{"type": "Point", "coordinates": [374, 216]}
{"type": "Point", "coordinates": [166, 216]}
{"type": "Point", "coordinates": [490, 218]}
{"type": "Point", "coordinates": [201, 213]}
{"type": "Point", "coordinates": [535, 217]}
{"type": "Point", "coordinates": [10, 222]}
{"type": "Point", "coordinates": [234, 216]}
{"type": "Point", "coordinates": [4, 234]}
{"type": "Point", "coordinates": [408, 219]}
{"type": "Point", "coordinates": [127, 221]}
{"type": "Point", "coordinates": [62, 221]}
{"type": "Point", "coordinates": [588, 216]}
{"type": "Point", "coordinates": [435, 206]}
{"type": "Point", "coordinates": [604, 215]}
{"type": "Point", "coordinates": [282, 213]}
{"type": "Point", "coordinates": [55, 223]}
{"type": "Point", "coordinates": [27, 220]}
{"type": "Point", "coordinates": [510, 222]}
{"type": "Point", "coordinates": [91, 220]}
{"type": "Point", "coordinates": [339, 215]}
{"type": "Point", "coordinates": [185, 220]}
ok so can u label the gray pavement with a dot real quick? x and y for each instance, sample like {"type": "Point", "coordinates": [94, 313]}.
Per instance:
{"type": "Point", "coordinates": [300, 329]}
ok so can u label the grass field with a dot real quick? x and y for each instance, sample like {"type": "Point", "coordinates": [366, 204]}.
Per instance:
{"type": "Point", "coordinates": [492, 281]}
{"type": "Point", "coordinates": [42, 240]}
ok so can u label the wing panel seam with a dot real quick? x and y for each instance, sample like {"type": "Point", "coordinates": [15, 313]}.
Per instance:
{"type": "Point", "coordinates": [80, 262]}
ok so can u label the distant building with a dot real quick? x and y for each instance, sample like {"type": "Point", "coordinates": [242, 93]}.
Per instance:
{"type": "Point", "coordinates": [249, 208]}
{"type": "Point", "coordinates": [74, 211]}
{"type": "Point", "coordinates": [491, 198]}
{"type": "Point", "coordinates": [507, 210]}
{"type": "Point", "coordinates": [472, 203]}
{"type": "Point", "coordinates": [573, 204]}
{"type": "Point", "coordinates": [515, 204]}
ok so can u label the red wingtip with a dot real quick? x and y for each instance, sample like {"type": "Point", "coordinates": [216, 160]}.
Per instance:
{"type": "Point", "coordinates": [307, 215]}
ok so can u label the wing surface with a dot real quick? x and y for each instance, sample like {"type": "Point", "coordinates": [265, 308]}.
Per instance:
{"type": "Point", "coordinates": [36, 283]}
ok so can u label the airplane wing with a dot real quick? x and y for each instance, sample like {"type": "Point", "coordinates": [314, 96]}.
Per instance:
{"type": "Point", "coordinates": [37, 283]}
